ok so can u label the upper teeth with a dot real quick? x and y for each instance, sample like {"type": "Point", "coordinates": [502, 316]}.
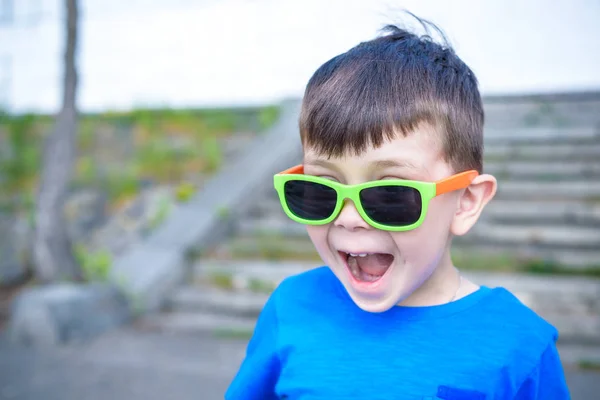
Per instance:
{"type": "Point", "coordinates": [358, 254]}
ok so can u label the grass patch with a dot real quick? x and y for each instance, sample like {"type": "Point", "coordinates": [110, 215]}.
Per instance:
{"type": "Point", "coordinates": [117, 151]}
{"type": "Point", "coordinates": [589, 365]}
{"type": "Point", "coordinates": [161, 214]}
{"type": "Point", "coordinates": [222, 280]}
{"type": "Point", "coordinates": [504, 262]}
{"type": "Point", "coordinates": [95, 266]}
{"type": "Point", "coordinates": [592, 200]}
{"type": "Point", "coordinates": [273, 248]}
{"type": "Point", "coordinates": [550, 178]}
{"type": "Point", "coordinates": [260, 286]}
{"type": "Point", "coordinates": [475, 261]}
{"type": "Point", "coordinates": [233, 333]}
{"type": "Point", "coordinates": [273, 254]}
{"type": "Point", "coordinates": [543, 267]}
{"type": "Point", "coordinates": [184, 192]}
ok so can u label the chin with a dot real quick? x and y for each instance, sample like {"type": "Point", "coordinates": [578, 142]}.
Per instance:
{"type": "Point", "coordinates": [374, 302]}
{"type": "Point", "coordinates": [373, 305]}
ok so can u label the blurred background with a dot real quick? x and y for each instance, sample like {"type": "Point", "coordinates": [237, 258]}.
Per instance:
{"type": "Point", "coordinates": [139, 232]}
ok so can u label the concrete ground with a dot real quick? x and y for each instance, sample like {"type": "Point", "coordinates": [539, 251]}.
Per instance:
{"type": "Point", "coordinates": [129, 364]}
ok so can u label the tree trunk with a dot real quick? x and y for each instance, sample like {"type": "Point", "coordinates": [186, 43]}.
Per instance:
{"type": "Point", "coordinates": [52, 250]}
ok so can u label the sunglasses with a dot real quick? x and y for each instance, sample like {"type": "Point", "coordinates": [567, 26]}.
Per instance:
{"type": "Point", "coordinates": [390, 205]}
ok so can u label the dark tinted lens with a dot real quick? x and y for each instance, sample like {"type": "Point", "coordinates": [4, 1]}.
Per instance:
{"type": "Point", "coordinates": [309, 200]}
{"type": "Point", "coordinates": [392, 205]}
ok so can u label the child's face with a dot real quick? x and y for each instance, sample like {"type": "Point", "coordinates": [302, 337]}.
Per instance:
{"type": "Point", "coordinates": [398, 263]}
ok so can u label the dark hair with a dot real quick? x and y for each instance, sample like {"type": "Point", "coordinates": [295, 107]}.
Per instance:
{"type": "Point", "coordinates": [390, 85]}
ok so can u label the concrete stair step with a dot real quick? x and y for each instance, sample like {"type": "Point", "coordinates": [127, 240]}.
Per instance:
{"type": "Point", "coordinates": [546, 152]}
{"type": "Point", "coordinates": [585, 191]}
{"type": "Point", "coordinates": [543, 135]}
{"type": "Point", "coordinates": [536, 284]}
{"type": "Point", "coordinates": [245, 273]}
{"type": "Point", "coordinates": [525, 253]}
{"type": "Point", "coordinates": [520, 229]}
{"type": "Point", "coordinates": [271, 247]}
{"type": "Point", "coordinates": [268, 206]}
{"type": "Point", "coordinates": [549, 110]}
{"type": "Point", "coordinates": [271, 225]}
{"type": "Point", "coordinates": [543, 170]}
{"type": "Point", "coordinates": [572, 213]}
{"type": "Point", "coordinates": [575, 328]}
{"type": "Point", "coordinates": [192, 322]}
{"type": "Point", "coordinates": [500, 211]}
{"type": "Point", "coordinates": [213, 300]}
{"type": "Point", "coordinates": [578, 354]}
{"type": "Point", "coordinates": [517, 180]}
{"type": "Point", "coordinates": [551, 236]}
{"type": "Point", "coordinates": [582, 189]}
{"type": "Point", "coordinates": [568, 293]}
{"type": "Point", "coordinates": [571, 304]}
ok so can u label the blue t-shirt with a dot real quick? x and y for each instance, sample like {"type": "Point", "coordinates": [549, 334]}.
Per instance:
{"type": "Point", "coordinates": [311, 342]}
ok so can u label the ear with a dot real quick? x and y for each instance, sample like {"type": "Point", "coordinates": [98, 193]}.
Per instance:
{"type": "Point", "coordinates": [471, 203]}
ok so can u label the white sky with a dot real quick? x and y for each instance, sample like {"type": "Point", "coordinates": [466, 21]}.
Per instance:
{"type": "Point", "coordinates": [211, 52]}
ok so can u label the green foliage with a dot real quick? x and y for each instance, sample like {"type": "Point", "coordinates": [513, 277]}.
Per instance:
{"type": "Point", "coordinates": [233, 333]}
{"type": "Point", "coordinates": [184, 192]}
{"type": "Point", "coordinates": [86, 170]}
{"type": "Point", "coordinates": [164, 208]}
{"type": "Point", "coordinates": [211, 152]}
{"type": "Point", "coordinates": [260, 286]}
{"type": "Point", "coordinates": [546, 267]}
{"type": "Point", "coordinates": [20, 155]}
{"type": "Point", "coordinates": [168, 146]}
{"type": "Point", "coordinates": [121, 186]}
{"type": "Point", "coordinates": [482, 261]}
{"type": "Point", "coordinates": [223, 212]}
{"type": "Point", "coordinates": [85, 138]}
{"type": "Point", "coordinates": [590, 365]}
{"type": "Point", "coordinates": [222, 280]}
{"type": "Point", "coordinates": [219, 121]}
{"type": "Point", "coordinates": [95, 266]}
{"type": "Point", "coordinates": [268, 116]}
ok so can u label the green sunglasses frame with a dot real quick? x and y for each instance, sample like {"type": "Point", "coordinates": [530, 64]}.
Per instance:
{"type": "Point", "coordinates": [428, 191]}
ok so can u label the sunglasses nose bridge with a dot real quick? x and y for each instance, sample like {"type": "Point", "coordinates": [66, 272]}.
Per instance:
{"type": "Point", "coordinates": [344, 198]}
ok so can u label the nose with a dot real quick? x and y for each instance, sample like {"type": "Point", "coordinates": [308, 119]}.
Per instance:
{"type": "Point", "coordinates": [349, 218]}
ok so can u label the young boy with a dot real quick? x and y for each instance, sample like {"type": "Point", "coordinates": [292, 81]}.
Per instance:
{"type": "Point", "coordinates": [392, 133]}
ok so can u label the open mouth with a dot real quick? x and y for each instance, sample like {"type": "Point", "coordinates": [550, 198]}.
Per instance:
{"type": "Point", "coordinates": [367, 267]}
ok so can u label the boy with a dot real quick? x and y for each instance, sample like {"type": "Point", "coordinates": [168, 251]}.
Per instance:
{"type": "Point", "coordinates": [392, 134]}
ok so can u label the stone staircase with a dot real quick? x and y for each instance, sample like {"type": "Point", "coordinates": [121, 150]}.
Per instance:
{"type": "Point", "coordinates": [547, 210]}
{"type": "Point", "coordinates": [548, 202]}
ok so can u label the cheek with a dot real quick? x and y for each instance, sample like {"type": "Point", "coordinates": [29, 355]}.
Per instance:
{"type": "Point", "coordinates": [425, 244]}
{"type": "Point", "coordinates": [318, 235]}
{"type": "Point", "coordinates": [440, 212]}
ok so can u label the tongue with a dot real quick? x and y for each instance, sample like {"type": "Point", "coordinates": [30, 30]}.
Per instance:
{"type": "Point", "coordinates": [375, 264]}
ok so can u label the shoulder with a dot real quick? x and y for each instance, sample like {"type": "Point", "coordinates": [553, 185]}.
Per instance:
{"type": "Point", "coordinates": [512, 316]}
{"type": "Point", "coordinates": [296, 298]}
{"type": "Point", "coordinates": [306, 290]}
{"type": "Point", "coordinates": [307, 283]}
{"type": "Point", "coordinates": [515, 332]}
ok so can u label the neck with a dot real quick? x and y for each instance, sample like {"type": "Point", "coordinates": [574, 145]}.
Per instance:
{"type": "Point", "coordinates": [439, 288]}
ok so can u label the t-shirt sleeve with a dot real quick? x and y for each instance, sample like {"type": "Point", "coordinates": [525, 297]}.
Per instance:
{"type": "Point", "coordinates": [547, 380]}
{"type": "Point", "coordinates": [259, 371]}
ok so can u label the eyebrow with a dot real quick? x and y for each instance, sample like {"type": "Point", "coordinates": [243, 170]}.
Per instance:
{"type": "Point", "coordinates": [320, 163]}
{"type": "Point", "coordinates": [380, 164]}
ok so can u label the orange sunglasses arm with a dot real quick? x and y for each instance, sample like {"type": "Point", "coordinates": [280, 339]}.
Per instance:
{"type": "Point", "coordinates": [298, 169]}
{"type": "Point", "coordinates": [455, 182]}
